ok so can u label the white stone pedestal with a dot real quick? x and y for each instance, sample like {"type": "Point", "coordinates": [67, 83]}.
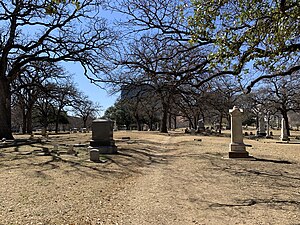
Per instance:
{"type": "Point", "coordinates": [284, 136]}
{"type": "Point", "coordinates": [237, 148]}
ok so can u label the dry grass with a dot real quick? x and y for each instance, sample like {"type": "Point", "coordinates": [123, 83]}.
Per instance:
{"type": "Point", "coordinates": [155, 179]}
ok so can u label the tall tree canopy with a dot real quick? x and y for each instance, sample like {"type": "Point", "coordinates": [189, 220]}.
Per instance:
{"type": "Point", "coordinates": [260, 35]}
{"type": "Point", "coordinates": [29, 32]}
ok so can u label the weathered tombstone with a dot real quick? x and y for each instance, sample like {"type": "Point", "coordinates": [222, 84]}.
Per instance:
{"type": "Point", "coordinates": [200, 126]}
{"type": "Point", "coordinates": [102, 137]}
{"type": "Point", "coordinates": [55, 147]}
{"type": "Point", "coordinates": [20, 130]}
{"type": "Point", "coordinates": [284, 136]}
{"type": "Point", "coordinates": [115, 126]}
{"type": "Point", "coordinates": [237, 148]}
{"type": "Point", "coordinates": [44, 131]}
{"type": "Point", "coordinates": [261, 126]}
{"type": "Point", "coordinates": [217, 127]}
{"type": "Point", "coordinates": [71, 150]}
{"type": "Point", "coordinates": [94, 155]}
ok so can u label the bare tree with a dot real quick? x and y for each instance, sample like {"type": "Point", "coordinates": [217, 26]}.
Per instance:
{"type": "Point", "coordinates": [29, 33]}
{"type": "Point", "coordinates": [281, 93]}
{"type": "Point", "coordinates": [84, 108]}
{"type": "Point", "coordinates": [27, 87]}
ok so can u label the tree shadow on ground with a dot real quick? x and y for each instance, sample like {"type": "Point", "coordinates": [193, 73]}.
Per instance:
{"type": "Point", "coordinates": [41, 157]}
{"type": "Point", "coordinates": [272, 160]}
{"type": "Point", "coordinates": [252, 202]}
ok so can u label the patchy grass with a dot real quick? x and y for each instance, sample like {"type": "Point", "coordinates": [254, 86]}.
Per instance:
{"type": "Point", "coordinates": [154, 179]}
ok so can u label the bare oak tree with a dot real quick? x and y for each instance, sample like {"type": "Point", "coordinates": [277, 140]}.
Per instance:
{"type": "Point", "coordinates": [30, 33]}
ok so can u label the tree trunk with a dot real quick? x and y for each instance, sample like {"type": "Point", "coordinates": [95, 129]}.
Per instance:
{"type": "Point", "coordinates": [286, 119]}
{"type": "Point", "coordinates": [57, 121]}
{"type": "Point", "coordinates": [138, 122]}
{"type": "Point", "coordinates": [175, 122]}
{"type": "Point", "coordinates": [24, 119]}
{"type": "Point", "coordinates": [29, 121]}
{"type": "Point", "coordinates": [151, 123]}
{"type": "Point", "coordinates": [220, 128]}
{"type": "Point", "coordinates": [5, 110]}
{"type": "Point", "coordinates": [170, 121]}
{"type": "Point", "coordinates": [84, 122]}
{"type": "Point", "coordinates": [164, 119]}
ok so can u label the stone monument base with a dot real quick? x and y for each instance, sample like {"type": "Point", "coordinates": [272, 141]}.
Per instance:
{"type": "Point", "coordinates": [285, 139]}
{"type": "Point", "coordinates": [97, 143]}
{"type": "Point", "coordinates": [105, 149]}
{"type": "Point", "coordinates": [261, 134]}
{"type": "Point", "coordinates": [243, 154]}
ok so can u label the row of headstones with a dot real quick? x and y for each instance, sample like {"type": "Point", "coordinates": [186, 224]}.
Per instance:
{"type": "Point", "coordinates": [262, 130]}
{"type": "Point", "coordinates": [237, 148]}
{"type": "Point", "coordinates": [102, 137]}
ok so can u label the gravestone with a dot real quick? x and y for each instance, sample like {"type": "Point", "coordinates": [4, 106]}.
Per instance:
{"type": "Point", "coordinates": [237, 148]}
{"type": "Point", "coordinates": [44, 131]}
{"type": "Point", "coordinates": [284, 136]}
{"type": "Point", "coordinates": [102, 137]}
{"type": "Point", "coordinates": [261, 126]}
{"type": "Point", "coordinates": [200, 126]}
{"type": "Point", "coordinates": [94, 155]}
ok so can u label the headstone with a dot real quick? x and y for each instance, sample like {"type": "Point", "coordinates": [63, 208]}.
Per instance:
{"type": "Point", "coordinates": [71, 150]}
{"type": "Point", "coordinates": [55, 147]}
{"type": "Point", "coordinates": [44, 131]}
{"type": "Point", "coordinates": [115, 126]}
{"type": "Point", "coordinates": [20, 130]}
{"type": "Point", "coordinates": [261, 126]}
{"type": "Point", "coordinates": [283, 136]}
{"type": "Point", "coordinates": [237, 148]}
{"type": "Point", "coordinates": [193, 131]}
{"type": "Point", "coordinates": [102, 137]}
{"type": "Point", "coordinates": [200, 126]}
{"type": "Point", "coordinates": [94, 155]}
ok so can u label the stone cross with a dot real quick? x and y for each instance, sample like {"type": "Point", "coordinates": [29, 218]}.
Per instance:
{"type": "Point", "coordinates": [284, 136]}
{"type": "Point", "coordinates": [237, 148]}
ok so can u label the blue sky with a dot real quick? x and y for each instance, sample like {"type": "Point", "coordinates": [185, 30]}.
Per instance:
{"type": "Point", "coordinates": [95, 93]}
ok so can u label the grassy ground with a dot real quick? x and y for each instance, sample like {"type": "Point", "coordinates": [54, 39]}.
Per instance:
{"type": "Point", "coordinates": [154, 179]}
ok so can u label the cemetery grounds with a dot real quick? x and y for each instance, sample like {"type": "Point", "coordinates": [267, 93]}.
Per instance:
{"type": "Point", "coordinates": [155, 179]}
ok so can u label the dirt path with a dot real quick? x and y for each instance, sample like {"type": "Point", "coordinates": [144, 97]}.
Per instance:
{"type": "Point", "coordinates": [193, 184]}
